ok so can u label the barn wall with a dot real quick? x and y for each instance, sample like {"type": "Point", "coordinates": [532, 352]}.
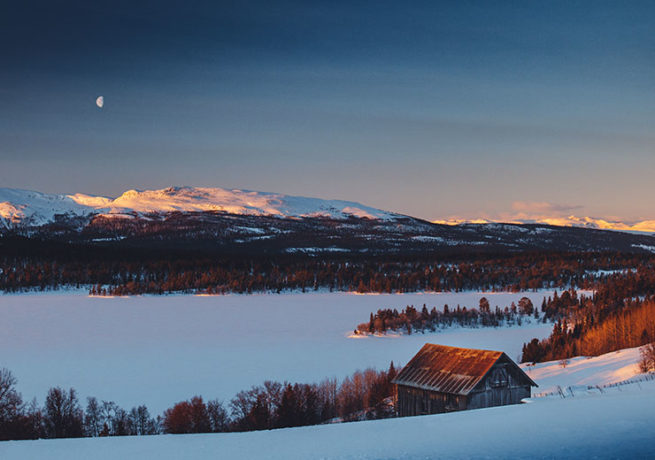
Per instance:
{"type": "Point", "coordinates": [503, 385]}
{"type": "Point", "coordinates": [414, 401]}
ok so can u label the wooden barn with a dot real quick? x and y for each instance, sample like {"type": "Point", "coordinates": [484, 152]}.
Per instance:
{"type": "Point", "coordinates": [444, 379]}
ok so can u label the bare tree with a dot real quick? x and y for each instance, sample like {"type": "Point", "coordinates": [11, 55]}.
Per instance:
{"type": "Point", "coordinates": [63, 416]}
{"type": "Point", "coordinates": [10, 399]}
{"type": "Point", "coordinates": [647, 361]}
{"type": "Point", "coordinates": [120, 424]}
{"type": "Point", "coordinates": [93, 417]}
{"type": "Point", "coordinates": [11, 403]}
{"type": "Point", "coordinates": [218, 417]}
{"type": "Point", "coordinates": [142, 422]}
{"type": "Point", "coordinates": [242, 403]}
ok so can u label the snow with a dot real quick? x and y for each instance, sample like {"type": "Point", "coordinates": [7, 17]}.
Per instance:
{"type": "Point", "coordinates": [35, 208]}
{"type": "Point", "coordinates": [644, 246]}
{"type": "Point", "coordinates": [615, 424]}
{"type": "Point", "coordinates": [316, 250]}
{"type": "Point", "coordinates": [241, 228]}
{"type": "Point", "coordinates": [91, 201]}
{"type": "Point", "coordinates": [160, 350]}
{"type": "Point", "coordinates": [428, 239]}
{"type": "Point", "coordinates": [606, 369]}
{"type": "Point", "coordinates": [602, 272]}
{"type": "Point", "coordinates": [450, 242]}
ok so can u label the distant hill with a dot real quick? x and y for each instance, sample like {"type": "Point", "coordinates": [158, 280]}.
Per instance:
{"type": "Point", "coordinates": [248, 221]}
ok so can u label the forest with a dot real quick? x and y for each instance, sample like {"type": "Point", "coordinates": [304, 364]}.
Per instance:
{"type": "Point", "coordinates": [360, 396]}
{"type": "Point", "coordinates": [26, 264]}
{"type": "Point", "coordinates": [410, 319]}
{"type": "Point", "coordinates": [620, 314]}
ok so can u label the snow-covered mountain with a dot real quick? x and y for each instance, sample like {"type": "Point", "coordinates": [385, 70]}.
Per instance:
{"type": "Point", "coordinates": [27, 208]}
{"type": "Point", "coordinates": [30, 208]}
{"type": "Point", "coordinates": [644, 226]}
{"type": "Point", "coordinates": [258, 222]}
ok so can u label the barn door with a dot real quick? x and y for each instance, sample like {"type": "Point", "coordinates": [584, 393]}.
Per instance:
{"type": "Point", "coordinates": [499, 383]}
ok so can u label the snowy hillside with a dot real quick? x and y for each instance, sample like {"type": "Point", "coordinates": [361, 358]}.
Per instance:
{"type": "Point", "coordinates": [136, 350]}
{"type": "Point", "coordinates": [24, 207]}
{"type": "Point", "coordinates": [606, 369]}
{"type": "Point", "coordinates": [239, 202]}
{"type": "Point", "coordinates": [28, 208]}
{"type": "Point", "coordinates": [614, 423]}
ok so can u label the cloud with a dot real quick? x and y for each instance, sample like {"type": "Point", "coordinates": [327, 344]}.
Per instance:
{"type": "Point", "coordinates": [543, 208]}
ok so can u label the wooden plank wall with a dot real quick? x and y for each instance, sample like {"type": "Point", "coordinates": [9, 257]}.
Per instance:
{"type": "Point", "coordinates": [502, 385]}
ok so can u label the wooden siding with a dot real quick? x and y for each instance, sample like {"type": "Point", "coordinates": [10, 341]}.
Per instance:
{"type": "Point", "coordinates": [414, 401]}
{"type": "Point", "coordinates": [503, 384]}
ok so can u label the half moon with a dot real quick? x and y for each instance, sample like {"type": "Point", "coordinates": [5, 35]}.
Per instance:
{"type": "Point", "coordinates": [100, 101]}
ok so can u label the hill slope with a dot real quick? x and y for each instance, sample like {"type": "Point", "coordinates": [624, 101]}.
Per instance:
{"type": "Point", "coordinates": [614, 424]}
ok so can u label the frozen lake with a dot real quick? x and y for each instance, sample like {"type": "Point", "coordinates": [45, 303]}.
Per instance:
{"type": "Point", "coordinates": [160, 350]}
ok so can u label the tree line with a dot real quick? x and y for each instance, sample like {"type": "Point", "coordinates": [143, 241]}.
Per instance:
{"type": "Point", "coordinates": [62, 415]}
{"type": "Point", "coordinates": [410, 319]}
{"type": "Point", "coordinates": [126, 271]}
{"type": "Point", "coordinates": [620, 314]}
{"type": "Point", "coordinates": [630, 327]}
{"type": "Point", "coordinates": [363, 395]}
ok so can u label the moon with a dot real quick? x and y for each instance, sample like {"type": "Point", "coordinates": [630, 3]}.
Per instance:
{"type": "Point", "coordinates": [100, 101]}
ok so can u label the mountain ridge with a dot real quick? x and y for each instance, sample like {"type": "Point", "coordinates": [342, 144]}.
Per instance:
{"type": "Point", "coordinates": [643, 226]}
{"type": "Point", "coordinates": [20, 207]}
{"type": "Point", "coordinates": [248, 222]}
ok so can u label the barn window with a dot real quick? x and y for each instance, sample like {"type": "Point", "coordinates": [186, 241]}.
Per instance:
{"type": "Point", "coordinates": [498, 378]}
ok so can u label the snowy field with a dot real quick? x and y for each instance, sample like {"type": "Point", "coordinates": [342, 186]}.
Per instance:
{"type": "Point", "coordinates": [143, 350]}
{"type": "Point", "coordinates": [609, 368]}
{"type": "Point", "coordinates": [160, 350]}
{"type": "Point", "coordinates": [615, 424]}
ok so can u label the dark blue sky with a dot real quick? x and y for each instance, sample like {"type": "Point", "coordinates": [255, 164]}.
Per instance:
{"type": "Point", "coordinates": [429, 108]}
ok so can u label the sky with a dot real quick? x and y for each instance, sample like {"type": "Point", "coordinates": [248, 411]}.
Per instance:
{"type": "Point", "coordinates": [434, 109]}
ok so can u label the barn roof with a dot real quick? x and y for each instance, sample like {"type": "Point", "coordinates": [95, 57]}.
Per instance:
{"type": "Point", "coordinates": [450, 369]}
